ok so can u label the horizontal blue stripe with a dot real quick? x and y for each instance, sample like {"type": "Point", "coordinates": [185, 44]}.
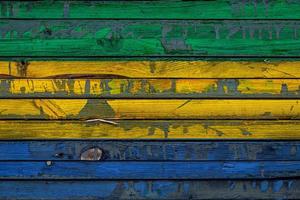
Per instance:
{"type": "Point", "coordinates": [206, 189]}
{"type": "Point", "coordinates": [148, 170]}
{"type": "Point", "coordinates": [151, 150]}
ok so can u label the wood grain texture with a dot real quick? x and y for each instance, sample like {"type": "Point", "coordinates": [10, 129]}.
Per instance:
{"type": "Point", "coordinates": [217, 9]}
{"type": "Point", "coordinates": [149, 88]}
{"type": "Point", "coordinates": [143, 170]}
{"type": "Point", "coordinates": [168, 189]}
{"type": "Point", "coordinates": [148, 109]}
{"type": "Point", "coordinates": [150, 69]}
{"type": "Point", "coordinates": [151, 129]}
{"type": "Point", "coordinates": [114, 150]}
{"type": "Point", "coordinates": [136, 38]}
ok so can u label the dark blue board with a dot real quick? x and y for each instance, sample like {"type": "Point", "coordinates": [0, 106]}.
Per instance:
{"type": "Point", "coordinates": [148, 170]}
{"type": "Point", "coordinates": [206, 189]}
{"type": "Point", "coordinates": [151, 150]}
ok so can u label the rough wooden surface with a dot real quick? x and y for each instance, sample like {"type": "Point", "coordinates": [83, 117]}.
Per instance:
{"type": "Point", "coordinates": [148, 109]}
{"type": "Point", "coordinates": [217, 9]}
{"type": "Point", "coordinates": [150, 69]}
{"type": "Point", "coordinates": [135, 38]}
{"type": "Point", "coordinates": [170, 189]}
{"type": "Point", "coordinates": [151, 129]}
{"type": "Point", "coordinates": [197, 72]}
{"type": "Point", "coordinates": [145, 150]}
{"type": "Point", "coordinates": [143, 170]}
{"type": "Point", "coordinates": [149, 88]}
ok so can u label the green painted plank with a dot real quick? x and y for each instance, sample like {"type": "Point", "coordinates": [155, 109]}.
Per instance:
{"type": "Point", "coordinates": [149, 38]}
{"type": "Point", "coordinates": [214, 9]}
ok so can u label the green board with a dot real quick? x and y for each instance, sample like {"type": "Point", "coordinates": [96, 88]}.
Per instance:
{"type": "Point", "coordinates": [129, 38]}
{"type": "Point", "coordinates": [213, 9]}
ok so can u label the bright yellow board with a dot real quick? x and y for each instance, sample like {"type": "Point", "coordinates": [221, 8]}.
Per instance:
{"type": "Point", "coordinates": [178, 129]}
{"type": "Point", "coordinates": [152, 69]}
{"type": "Point", "coordinates": [148, 109]}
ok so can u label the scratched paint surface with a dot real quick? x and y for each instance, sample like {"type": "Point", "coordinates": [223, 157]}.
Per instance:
{"type": "Point", "coordinates": [217, 9]}
{"type": "Point", "coordinates": [151, 150]}
{"type": "Point", "coordinates": [151, 129]}
{"type": "Point", "coordinates": [148, 109]}
{"type": "Point", "coordinates": [149, 38]}
{"type": "Point", "coordinates": [145, 170]}
{"type": "Point", "coordinates": [149, 99]}
{"type": "Point", "coordinates": [170, 189]}
{"type": "Point", "coordinates": [151, 88]}
{"type": "Point", "coordinates": [150, 69]}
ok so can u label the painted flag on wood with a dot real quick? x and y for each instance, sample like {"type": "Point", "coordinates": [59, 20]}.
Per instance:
{"type": "Point", "coordinates": [149, 99]}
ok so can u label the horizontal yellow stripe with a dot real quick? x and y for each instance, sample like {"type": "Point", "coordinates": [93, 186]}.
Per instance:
{"type": "Point", "coordinates": [153, 69]}
{"type": "Point", "coordinates": [148, 109]}
{"type": "Point", "coordinates": [181, 129]}
{"type": "Point", "coordinates": [148, 87]}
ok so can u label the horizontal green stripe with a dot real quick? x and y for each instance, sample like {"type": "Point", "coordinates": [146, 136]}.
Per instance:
{"type": "Point", "coordinates": [217, 9]}
{"type": "Point", "coordinates": [149, 38]}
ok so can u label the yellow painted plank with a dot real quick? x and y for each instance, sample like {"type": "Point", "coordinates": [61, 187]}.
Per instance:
{"type": "Point", "coordinates": [149, 88]}
{"type": "Point", "coordinates": [152, 69]}
{"type": "Point", "coordinates": [148, 109]}
{"type": "Point", "coordinates": [139, 129]}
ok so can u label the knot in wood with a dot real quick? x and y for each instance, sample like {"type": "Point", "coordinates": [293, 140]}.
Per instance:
{"type": "Point", "coordinates": [92, 154]}
{"type": "Point", "coordinates": [48, 163]}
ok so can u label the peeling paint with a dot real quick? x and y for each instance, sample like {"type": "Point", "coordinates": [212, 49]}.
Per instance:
{"type": "Point", "coordinates": [96, 108]}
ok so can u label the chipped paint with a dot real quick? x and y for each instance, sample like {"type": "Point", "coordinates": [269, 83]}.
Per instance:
{"type": "Point", "coordinates": [152, 129]}
{"type": "Point", "coordinates": [227, 9]}
{"type": "Point", "coordinates": [154, 88]}
{"type": "Point", "coordinates": [166, 38]}
{"type": "Point", "coordinates": [167, 189]}
{"type": "Point", "coordinates": [109, 109]}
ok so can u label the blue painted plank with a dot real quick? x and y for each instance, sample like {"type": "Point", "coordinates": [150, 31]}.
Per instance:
{"type": "Point", "coordinates": [151, 150]}
{"type": "Point", "coordinates": [205, 189]}
{"type": "Point", "coordinates": [148, 170]}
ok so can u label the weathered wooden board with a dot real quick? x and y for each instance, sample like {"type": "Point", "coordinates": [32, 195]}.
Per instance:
{"type": "Point", "coordinates": [149, 109]}
{"type": "Point", "coordinates": [217, 9]}
{"type": "Point", "coordinates": [150, 69]}
{"type": "Point", "coordinates": [151, 129]}
{"type": "Point", "coordinates": [134, 38]}
{"type": "Point", "coordinates": [170, 189]}
{"type": "Point", "coordinates": [142, 170]}
{"type": "Point", "coordinates": [150, 88]}
{"type": "Point", "coordinates": [150, 150]}
{"type": "Point", "coordinates": [132, 49]}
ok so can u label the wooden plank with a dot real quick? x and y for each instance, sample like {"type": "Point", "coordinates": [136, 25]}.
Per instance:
{"type": "Point", "coordinates": [151, 129]}
{"type": "Point", "coordinates": [135, 38]}
{"type": "Point", "coordinates": [149, 88]}
{"type": "Point", "coordinates": [148, 170]}
{"type": "Point", "coordinates": [149, 109]}
{"type": "Point", "coordinates": [150, 150]}
{"type": "Point", "coordinates": [221, 9]}
{"type": "Point", "coordinates": [168, 189]}
{"type": "Point", "coordinates": [150, 69]}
